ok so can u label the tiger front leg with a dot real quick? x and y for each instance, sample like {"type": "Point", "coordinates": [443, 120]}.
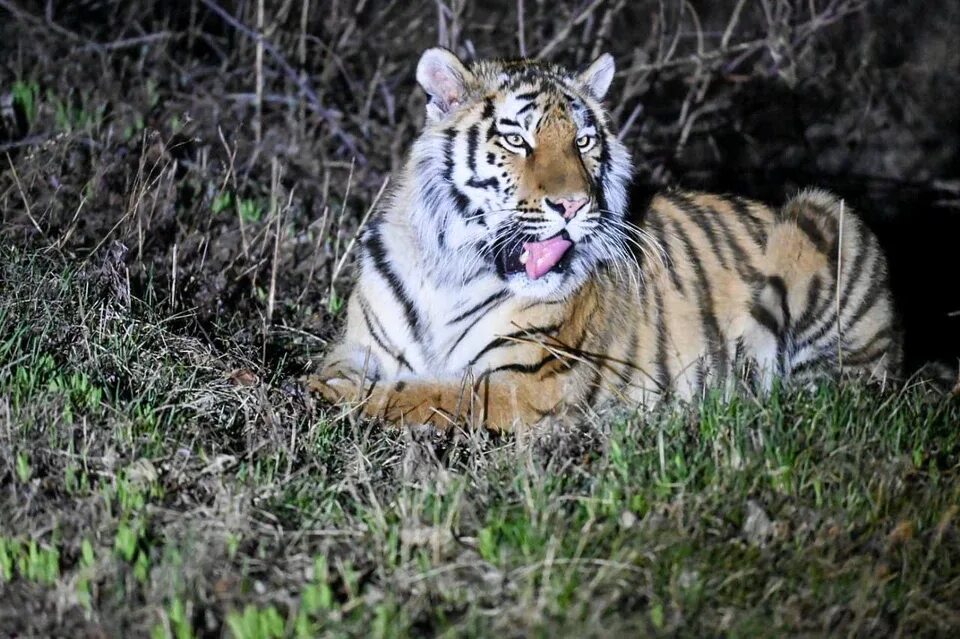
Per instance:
{"type": "Point", "coordinates": [346, 375]}
{"type": "Point", "coordinates": [498, 401]}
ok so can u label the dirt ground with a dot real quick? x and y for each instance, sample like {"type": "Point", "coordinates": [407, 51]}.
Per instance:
{"type": "Point", "coordinates": [179, 199]}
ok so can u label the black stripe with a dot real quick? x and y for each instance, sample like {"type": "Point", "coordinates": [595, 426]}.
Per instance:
{"type": "Point", "coordinates": [830, 301]}
{"type": "Point", "coordinates": [657, 228]}
{"type": "Point", "coordinates": [488, 109]}
{"type": "Point", "coordinates": [449, 136]}
{"type": "Point", "coordinates": [756, 228]}
{"type": "Point", "coordinates": [702, 221]}
{"type": "Point", "coordinates": [705, 303]}
{"type": "Point", "coordinates": [741, 259]}
{"type": "Point", "coordinates": [372, 325]}
{"type": "Point", "coordinates": [481, 306]}
{"type": "Point", "coordinates": [883, 335]}
{"type": "Point", "coordinates": [509, 122]}
{"type": "Point", "coordinates": [813, 232]}
{"type": "Point", "coordinates": [870, 299]}
{"type": "Point", "coordinates": [473, 138]}
{"type": "Point", "coordinates": [630, 357]}
{"type": "Point", "coordinates": [489, 183]}
{"type": "Point", "coordinates": [466, 331]}
{"type": "Point", "coordinates": [590, 120]}
{"type": "Point", "coordinates": [853, 277]}
{"type": "Point", "coordinates": [530, 95]}
{"type": "Point", "coordinates": [663, 371]}
{"type": "Point", "coordinates": [865, 358]}
{"type": "Point", "coordinates": [566, 366]}
{"type": "Point", "coordinates": [816, 336]}
{"type": "Point", "coordinates": [806, 365]}
{"type": "Point", "coordinates": [525, 108]}
{"type": "Point", "coordinates": [811, 309]}
{"type": "Point", "coordinates": [522, 368]}
{"type": "Point", "coordinates": [780, 286]}
{"type": "Point", "coordinates": [765, 319]}
{"type": "Point", "coordinates": [460, 200]}
{"type": "Point", "coordinates": [378, 254]}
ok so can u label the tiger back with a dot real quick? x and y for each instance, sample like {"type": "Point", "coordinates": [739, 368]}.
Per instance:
{"type": "Point", "coordinates": [504, 280]}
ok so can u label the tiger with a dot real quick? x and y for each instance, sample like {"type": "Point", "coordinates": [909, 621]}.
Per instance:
{"type": "Point", "coordinates": [504, 280]}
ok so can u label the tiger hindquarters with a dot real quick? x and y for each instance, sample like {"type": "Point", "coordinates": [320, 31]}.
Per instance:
{"type": "Point", "coordinates": [824, 308]}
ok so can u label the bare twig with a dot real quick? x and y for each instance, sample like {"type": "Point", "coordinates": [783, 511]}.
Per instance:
{"type": "Point", "coordinates": [23, 196]}
{"type": "Point", "coordinates": [300, 80]}
{"type": "Point", "coordinates": [363, 223]}
{"type": "Point", "coordinates": [125, 43]}
{"type": "Point", "coordinates": [637, 111]}
{"type": "Point", "coordinates": [232, 176]}
{"type": "Point", "coordinates": [732, 24]}
{"type": "Point", "coordinates": [316, 253]}
{"type": "Point", "coordinates": [521, 38]}
{"type": "Point", "coordinates": [173, 278]}
{"type": "Point", "coordinates": [258, 75]}
{"type": "Point", "coordinates": [32, 140]}
{"type": "Point", "coordinates": [278, 212]}
{"type": "Point", "coordinates": [567, 28]}
{"type": "Point", "coordinates": [38, 22]}
{"type": "Point", "coordinates": [839, 275]}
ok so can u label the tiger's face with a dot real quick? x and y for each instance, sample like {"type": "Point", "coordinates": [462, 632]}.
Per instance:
{"type": "Point", "coordinates": [519, 173]}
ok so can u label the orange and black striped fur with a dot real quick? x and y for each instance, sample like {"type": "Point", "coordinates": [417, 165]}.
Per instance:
{"type": "Point", "coordinates": [505, 281]}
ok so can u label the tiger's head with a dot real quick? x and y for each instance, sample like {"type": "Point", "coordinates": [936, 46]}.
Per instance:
{"type": "Point", "coordinates": [517, 172]}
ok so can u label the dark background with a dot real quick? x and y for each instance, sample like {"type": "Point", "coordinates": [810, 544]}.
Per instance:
{"type": "Point", "coordinates": [145, 114]}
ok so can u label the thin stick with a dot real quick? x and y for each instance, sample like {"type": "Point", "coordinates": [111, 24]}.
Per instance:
{"type": "Point", "coordinates": [637, 110]}
{"type": "Point", "coordinates": [125, 43]}
{"type": "Point", "coordinates": [839, 267]}
{"type": "Point", "coordinates": [23, 196]}
{"type": "Point", "coordinates": [274, 186]}
{"type": "Point", "coordinates": [363, 223]}
{"type": "Point", "coordinates": [231, 176]}
{"type": "Point", "coordinates": [302, 54]}
{"type": "Point", "coordinates": [258, 74]}
{"type": "Point", "coordinates": [521, 37]}
{"type": "Point", "coordinates": [72, 227]}
{"type": "Point", "coordinates": [732, 24]}
{"type": "Point", "coordinates": [343, 210]}
{"type": "Point", "coordinates": [565, 31]}
{"type": "Point", "coordinates": [173, 278]}
{"type": "Point", "coordinates": [316, 251]}
{"type": "Point", "coordinates": [28, 17]}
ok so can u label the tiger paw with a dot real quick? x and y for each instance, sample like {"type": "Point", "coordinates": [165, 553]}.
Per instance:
{"type": "Point", "coordinates": [336, 389]}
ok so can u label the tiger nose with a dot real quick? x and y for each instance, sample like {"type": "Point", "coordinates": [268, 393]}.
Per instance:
{"type": "Point", "coordinates": [568, 206]}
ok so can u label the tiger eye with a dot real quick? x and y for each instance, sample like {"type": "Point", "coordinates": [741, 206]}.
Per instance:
{"type": "Point", "coordinates": [514, 139]}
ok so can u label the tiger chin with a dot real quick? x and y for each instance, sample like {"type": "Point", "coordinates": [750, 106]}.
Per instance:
{"type": "Point", "coordinates": [505, 281]}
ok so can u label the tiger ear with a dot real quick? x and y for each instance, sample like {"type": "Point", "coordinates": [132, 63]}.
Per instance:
{"type": "Point", "coordinates": [444, 78]}
{"type": "Point", "coordinates": [597, 77]}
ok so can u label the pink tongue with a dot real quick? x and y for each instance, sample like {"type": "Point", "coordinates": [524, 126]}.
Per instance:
{"type": "Point", "coordinates": [543, 256]}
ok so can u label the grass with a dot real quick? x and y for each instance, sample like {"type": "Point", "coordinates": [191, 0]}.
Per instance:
{"type": "Point", "coordinates": [149, 492]}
